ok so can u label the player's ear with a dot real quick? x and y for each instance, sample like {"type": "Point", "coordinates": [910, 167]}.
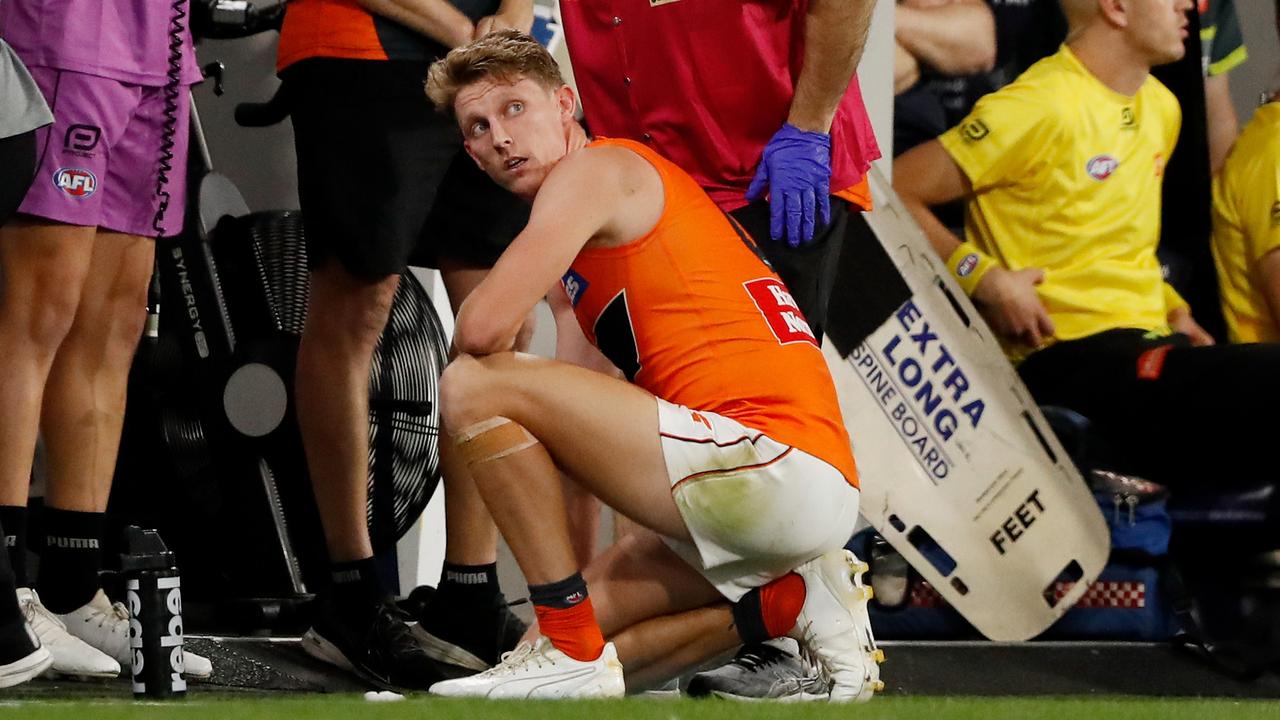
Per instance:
{"type": "Point", "coordinates": [567, 100]}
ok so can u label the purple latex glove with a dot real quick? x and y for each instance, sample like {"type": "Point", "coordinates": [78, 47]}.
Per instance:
{"type": "Point", "coordinates": [796, 167]}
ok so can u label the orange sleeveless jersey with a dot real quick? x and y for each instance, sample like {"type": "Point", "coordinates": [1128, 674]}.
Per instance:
{"type": "Point", "coordinates": [690, 313]}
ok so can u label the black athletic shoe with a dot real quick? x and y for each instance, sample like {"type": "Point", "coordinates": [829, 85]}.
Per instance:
{"type": "Point", "coordinates": [467, 639]}
{"type": "Point", "coordinates": [375, 643]}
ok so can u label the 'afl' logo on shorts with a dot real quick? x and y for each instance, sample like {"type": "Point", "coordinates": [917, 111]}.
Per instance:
{"type": "Point", "coordinates": [1100, 167]}
{"type": "Point", "coordinates": [76, 182]}
{"type": "Point", "coordinates": [966, 265]}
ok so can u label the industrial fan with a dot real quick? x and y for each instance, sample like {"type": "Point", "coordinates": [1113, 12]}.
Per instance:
{"type": "Point", "coordinates": [214, 389]}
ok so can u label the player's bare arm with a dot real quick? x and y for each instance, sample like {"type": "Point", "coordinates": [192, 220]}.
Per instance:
{"type": "Point", "coordinates": [603, 195]}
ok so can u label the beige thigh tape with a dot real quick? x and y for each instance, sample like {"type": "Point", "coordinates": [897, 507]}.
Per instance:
{"type": "Point", "coordinates": [492, 439]}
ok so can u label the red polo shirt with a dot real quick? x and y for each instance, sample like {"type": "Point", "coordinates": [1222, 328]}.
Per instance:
{"type": "Point", "coordinates": [706, 83]}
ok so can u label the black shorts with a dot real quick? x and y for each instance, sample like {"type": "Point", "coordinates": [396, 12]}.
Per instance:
{"type": "Point", "coordinates": [809, 270]}
{"type": "Point", "coordinates": [1187, 417]}
{"type": "Point", "coordinates": [382, 178]}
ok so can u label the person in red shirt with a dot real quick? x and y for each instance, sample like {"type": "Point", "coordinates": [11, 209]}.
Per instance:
{"type": "Point", "coordinates": [726, 447]}
{"type": "Point", "coordinates": [758, 101]}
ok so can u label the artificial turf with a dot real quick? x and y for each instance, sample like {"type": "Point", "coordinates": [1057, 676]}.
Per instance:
{"type": "Point", "coordinates": [354, 707]}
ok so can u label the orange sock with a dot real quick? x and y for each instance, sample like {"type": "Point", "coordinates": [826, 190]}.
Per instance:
{"type": "Point", "coordinates": [574, 629]}
{"type": "Point", "coordinates": [780, 603]}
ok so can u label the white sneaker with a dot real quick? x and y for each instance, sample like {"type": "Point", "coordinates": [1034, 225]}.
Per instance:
{"type": "Point", "coordinates": [105, 626]}
{"type": "Point", "coordinates": [833, 626]}
{"type": "Point", "coordinates": [28, 666]}
{"type": "Point", "coordinates": [540, 670]}
{"type": "Point", "coordinates": [71, 655]}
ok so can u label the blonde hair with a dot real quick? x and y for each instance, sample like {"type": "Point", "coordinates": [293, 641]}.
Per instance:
{"type": "Point", "coordinates": [505, 55]}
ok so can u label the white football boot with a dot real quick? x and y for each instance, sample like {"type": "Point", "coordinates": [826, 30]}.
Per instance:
{"type": "Point", "coordinates": [72, 656]}
{"type": "Point", "coordinates": [540, 670]}
{"type": "Point", "coordinates": [833, 626]}
{"type": "Point", "coordinates": [28, 666]}
{"type": "Point", "coordinates": [105, 625]}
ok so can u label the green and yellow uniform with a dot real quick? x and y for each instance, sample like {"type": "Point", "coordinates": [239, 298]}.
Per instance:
{"type": "Point", "coordinates": [1246, 226]}
{"type": "Point", "coordinates": [1066, 176]}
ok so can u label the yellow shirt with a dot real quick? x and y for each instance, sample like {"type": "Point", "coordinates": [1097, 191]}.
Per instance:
{"type": "Point", "coordinates": [1246, 225]}
{"type": "Point", "coordinates": [1066, 175]}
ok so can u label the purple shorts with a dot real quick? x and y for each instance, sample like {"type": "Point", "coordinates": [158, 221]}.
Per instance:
{"type": "Point", "coordinates": [100, 158]}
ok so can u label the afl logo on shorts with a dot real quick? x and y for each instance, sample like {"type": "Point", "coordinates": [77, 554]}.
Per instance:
{"type": "Point", "coordinates": [1100, 167]}
{"type": "Point", "coordinates": [966, 265]}
{"type": "Point", "coordinates": [76, 182]}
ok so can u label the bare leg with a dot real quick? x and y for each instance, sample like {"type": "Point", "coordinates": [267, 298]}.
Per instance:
{"type": "Point", "coordinates": [634, 587]}
{"type": "Point", "coordinates": [44, 267]}
{"type": "Point", "coordinates": [664, 647]}
{"type": "Point", "coordinates": [643, 601]}
{"type": "Point", "coordinates": [556, 403]}
{"type": "Point", "coordinates": [84, 400]}
{"type": "Point", "coordinates": [347, 315]}
{"type": "Point", "coordinates": [572, 347]}
{"type": "Point", "coordinates": [470, 535]}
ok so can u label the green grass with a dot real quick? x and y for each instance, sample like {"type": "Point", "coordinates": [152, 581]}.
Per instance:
{"type": "Point", "coordinates": [353, 707]}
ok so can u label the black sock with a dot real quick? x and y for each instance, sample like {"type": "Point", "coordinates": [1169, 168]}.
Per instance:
{"type": "Point", "coordinates": [561, 594]}
{"type": "Point", "coordinates": [748, 618]}
{"type": "Point", "coordinates": [356, 583]}
{"type": "Point", "coordinates": [72, 558]}
{"type": "Point", "coordinates": [469, 585]}
{"type": "Point", "coordinates": [14, 520]}
{"type": "Point", "coordinates": [10, 614]}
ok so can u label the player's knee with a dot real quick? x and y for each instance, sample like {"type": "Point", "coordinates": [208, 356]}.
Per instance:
{"type": "Point", "coordinates": [461, 388]}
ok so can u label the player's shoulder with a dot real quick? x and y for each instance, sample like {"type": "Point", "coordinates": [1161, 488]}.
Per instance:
{"type": "Point", "coordinates": [601, 162]}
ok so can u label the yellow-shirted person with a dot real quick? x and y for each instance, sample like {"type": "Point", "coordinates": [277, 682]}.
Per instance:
{"type": "Point", "coordinates": [1246, 230]}
{"type": "Point", "coordinates": [1056, 161]}
{"type": "Point", "coordinates": [1062, 170]}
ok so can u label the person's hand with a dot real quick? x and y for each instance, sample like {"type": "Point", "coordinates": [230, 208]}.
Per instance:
{"type": "Point", "coordinates": [520, 18]}
{"type": "Point", "coordinates": [1180, 321]}
{"type": "Point", "coordinates": [1009, 301]}
{"type": "Point", "coordinates": [796, 168]}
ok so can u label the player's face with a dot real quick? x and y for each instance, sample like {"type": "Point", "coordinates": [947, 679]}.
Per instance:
{"type": "Point", "coordinates": [1159, 28]}
{"type": "Point", "coordinates": [515, 131]}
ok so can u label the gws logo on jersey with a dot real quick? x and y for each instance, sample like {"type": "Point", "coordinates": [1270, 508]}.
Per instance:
{"type": "Point", "coordinates": [76, 182]}
{"type": "Point", "coordinates": [780, 311]}
{"type": "Point", "coordinates": [574, 286]}
{"type": "Point", "coordinates": [1100, 167]}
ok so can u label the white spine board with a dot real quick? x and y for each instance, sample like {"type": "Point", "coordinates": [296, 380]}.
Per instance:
{"type": "Point", "coordinates": [948, 439]}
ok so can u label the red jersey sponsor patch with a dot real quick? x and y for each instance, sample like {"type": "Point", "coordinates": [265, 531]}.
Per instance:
{"type": "Point", "coordinates": [780, 310]}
